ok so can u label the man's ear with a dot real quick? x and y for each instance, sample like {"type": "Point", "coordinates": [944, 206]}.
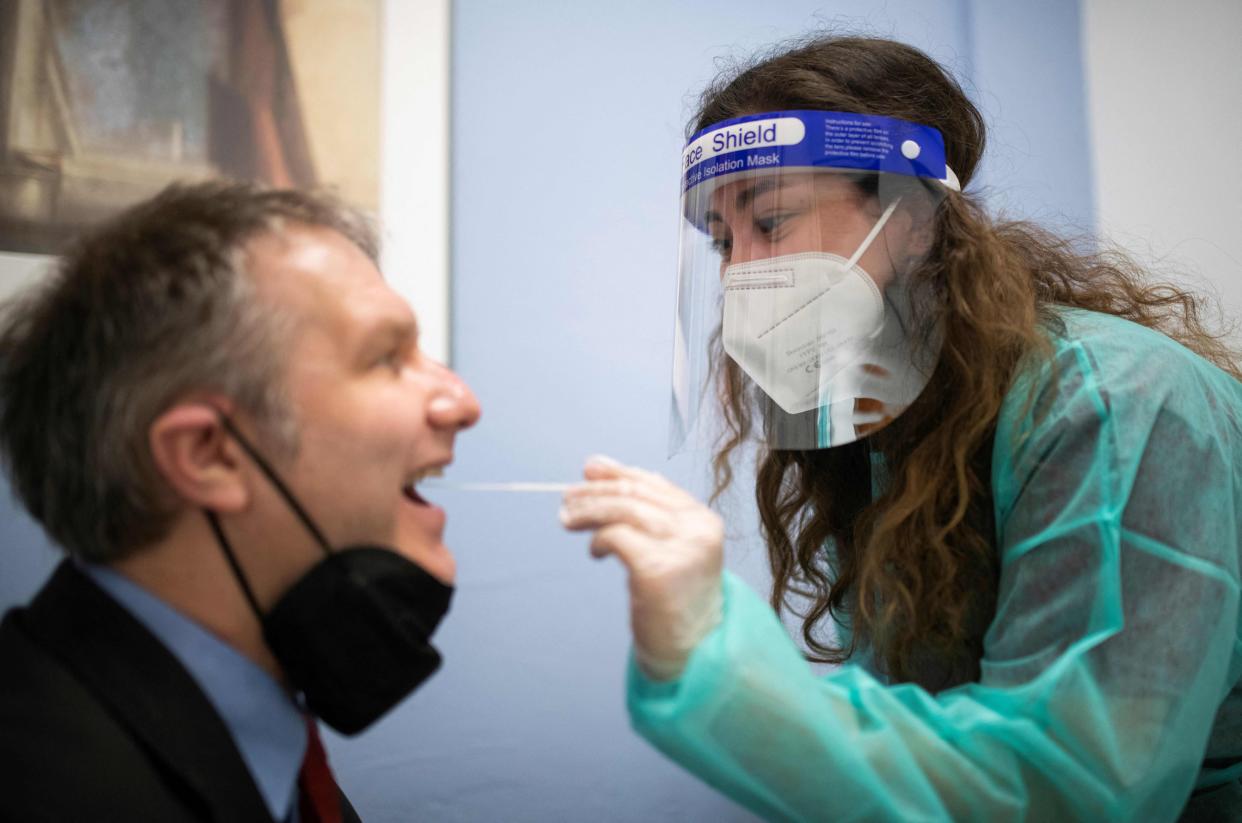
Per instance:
{"type": "Point", "coordinates": [198, 459]}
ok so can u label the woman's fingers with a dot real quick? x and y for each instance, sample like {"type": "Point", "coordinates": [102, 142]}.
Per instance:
{"type": "Point", "coordinates": [623, 487]}
{"type": "Point", "coordinates": [596, 512]}
{"type": "Point", "coordinates": [599, 467]}
{"type": "Point", "coordinates": [671, 547]}
{"type": "Point", "coordinates": [620, 539]}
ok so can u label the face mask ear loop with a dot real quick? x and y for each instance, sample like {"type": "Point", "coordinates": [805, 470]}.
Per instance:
{"type": "Point", "coordinates": [824, 415]}
{"type": "Point", "coordinates": [271, 475]}
{"type": "Point", "coordinates": [875, 230]}
{"type": "Point", "coordinates": [232, 558]}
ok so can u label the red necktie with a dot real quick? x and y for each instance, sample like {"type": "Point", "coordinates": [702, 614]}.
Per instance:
{"type": "Point", "coordinates": [319, 800]}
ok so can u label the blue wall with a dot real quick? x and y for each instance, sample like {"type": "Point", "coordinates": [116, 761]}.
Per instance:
{"type": "Point", "coordinates": [568, 122]}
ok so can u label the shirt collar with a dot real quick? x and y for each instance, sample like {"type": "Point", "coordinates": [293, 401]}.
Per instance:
{"type": "Point", "coordinates": [266, 724]}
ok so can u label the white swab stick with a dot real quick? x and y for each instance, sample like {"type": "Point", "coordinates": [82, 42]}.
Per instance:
{"type": "Point", "coordinates": [502, 487]}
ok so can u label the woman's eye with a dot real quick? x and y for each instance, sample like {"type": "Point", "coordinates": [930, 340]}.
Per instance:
{"type": "Point", "coordinates": [722, 245]}
{"type": "Point", "coordinates": [769, 224]}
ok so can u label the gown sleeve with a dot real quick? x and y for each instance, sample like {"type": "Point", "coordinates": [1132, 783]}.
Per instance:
{"type": "Point", "coordinates": [1116, 488]}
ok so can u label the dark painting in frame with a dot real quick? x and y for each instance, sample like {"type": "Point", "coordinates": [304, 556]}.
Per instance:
{"type": "Point", "coordinates": [105, 102]}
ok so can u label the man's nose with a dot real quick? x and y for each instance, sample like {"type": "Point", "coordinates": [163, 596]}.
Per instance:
{"type": "Point", "coordinates": [453, 406]}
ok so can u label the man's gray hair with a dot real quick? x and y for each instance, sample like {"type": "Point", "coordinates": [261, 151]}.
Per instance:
{"type": "Point", "coordinates": [153, 306]}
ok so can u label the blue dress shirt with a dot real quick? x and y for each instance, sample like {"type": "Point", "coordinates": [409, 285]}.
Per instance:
{"type": "Point", "coordinates": [267, 726]}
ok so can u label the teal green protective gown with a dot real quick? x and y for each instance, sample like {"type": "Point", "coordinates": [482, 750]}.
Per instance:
{"type": "Point", "coordinates": [1108, 668]}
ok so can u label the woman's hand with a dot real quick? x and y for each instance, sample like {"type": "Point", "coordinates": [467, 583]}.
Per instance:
{"type": "Point", "coordinates": [672, 546]}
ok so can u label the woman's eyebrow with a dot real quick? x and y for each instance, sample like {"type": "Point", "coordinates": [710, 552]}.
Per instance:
{"type": "Point", "coordinates": [743, 198]}
{"type": "Point", "coordinates": [746, 195]}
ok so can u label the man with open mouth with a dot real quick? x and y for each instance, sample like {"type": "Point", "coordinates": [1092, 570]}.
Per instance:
{"type": "Point", "coordinates": [218, 409]}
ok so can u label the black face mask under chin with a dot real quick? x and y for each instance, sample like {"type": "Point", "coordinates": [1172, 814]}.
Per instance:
{"type": "Point", "coordinates": [352, 634]}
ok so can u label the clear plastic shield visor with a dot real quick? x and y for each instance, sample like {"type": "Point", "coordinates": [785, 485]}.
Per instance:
{"type": "Point", "coordinates": [795, 316]}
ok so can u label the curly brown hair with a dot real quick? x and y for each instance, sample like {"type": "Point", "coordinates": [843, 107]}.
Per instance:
{"type": "Point", "coordinates": [914, 572]}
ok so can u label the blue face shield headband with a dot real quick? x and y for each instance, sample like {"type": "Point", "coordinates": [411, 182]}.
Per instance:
{"type": "Point", "coordinates": [801, 229]}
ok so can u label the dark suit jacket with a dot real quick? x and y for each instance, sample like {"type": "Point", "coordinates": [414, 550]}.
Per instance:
{"type": "Point", "coordinates": [99, 722]}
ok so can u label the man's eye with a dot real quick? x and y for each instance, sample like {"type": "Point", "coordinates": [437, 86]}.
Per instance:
{"type": "Point", "coordinates": [394, 360]}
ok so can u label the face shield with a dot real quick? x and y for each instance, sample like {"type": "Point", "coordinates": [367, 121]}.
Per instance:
{"type": "Point", "coordinates": [800, 233]}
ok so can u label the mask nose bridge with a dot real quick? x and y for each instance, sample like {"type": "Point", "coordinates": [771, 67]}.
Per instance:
{"type": "Point", "coordinates": [840, 271]}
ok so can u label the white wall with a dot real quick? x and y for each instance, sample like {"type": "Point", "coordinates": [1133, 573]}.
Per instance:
{"type": "Point", "coordinates": [1165, 102]}
{"type": "Point", "coordinates": [414, 179]}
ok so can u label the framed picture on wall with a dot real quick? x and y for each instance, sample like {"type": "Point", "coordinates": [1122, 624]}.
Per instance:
{"type": "Point", "coordinates": [105, 102]}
